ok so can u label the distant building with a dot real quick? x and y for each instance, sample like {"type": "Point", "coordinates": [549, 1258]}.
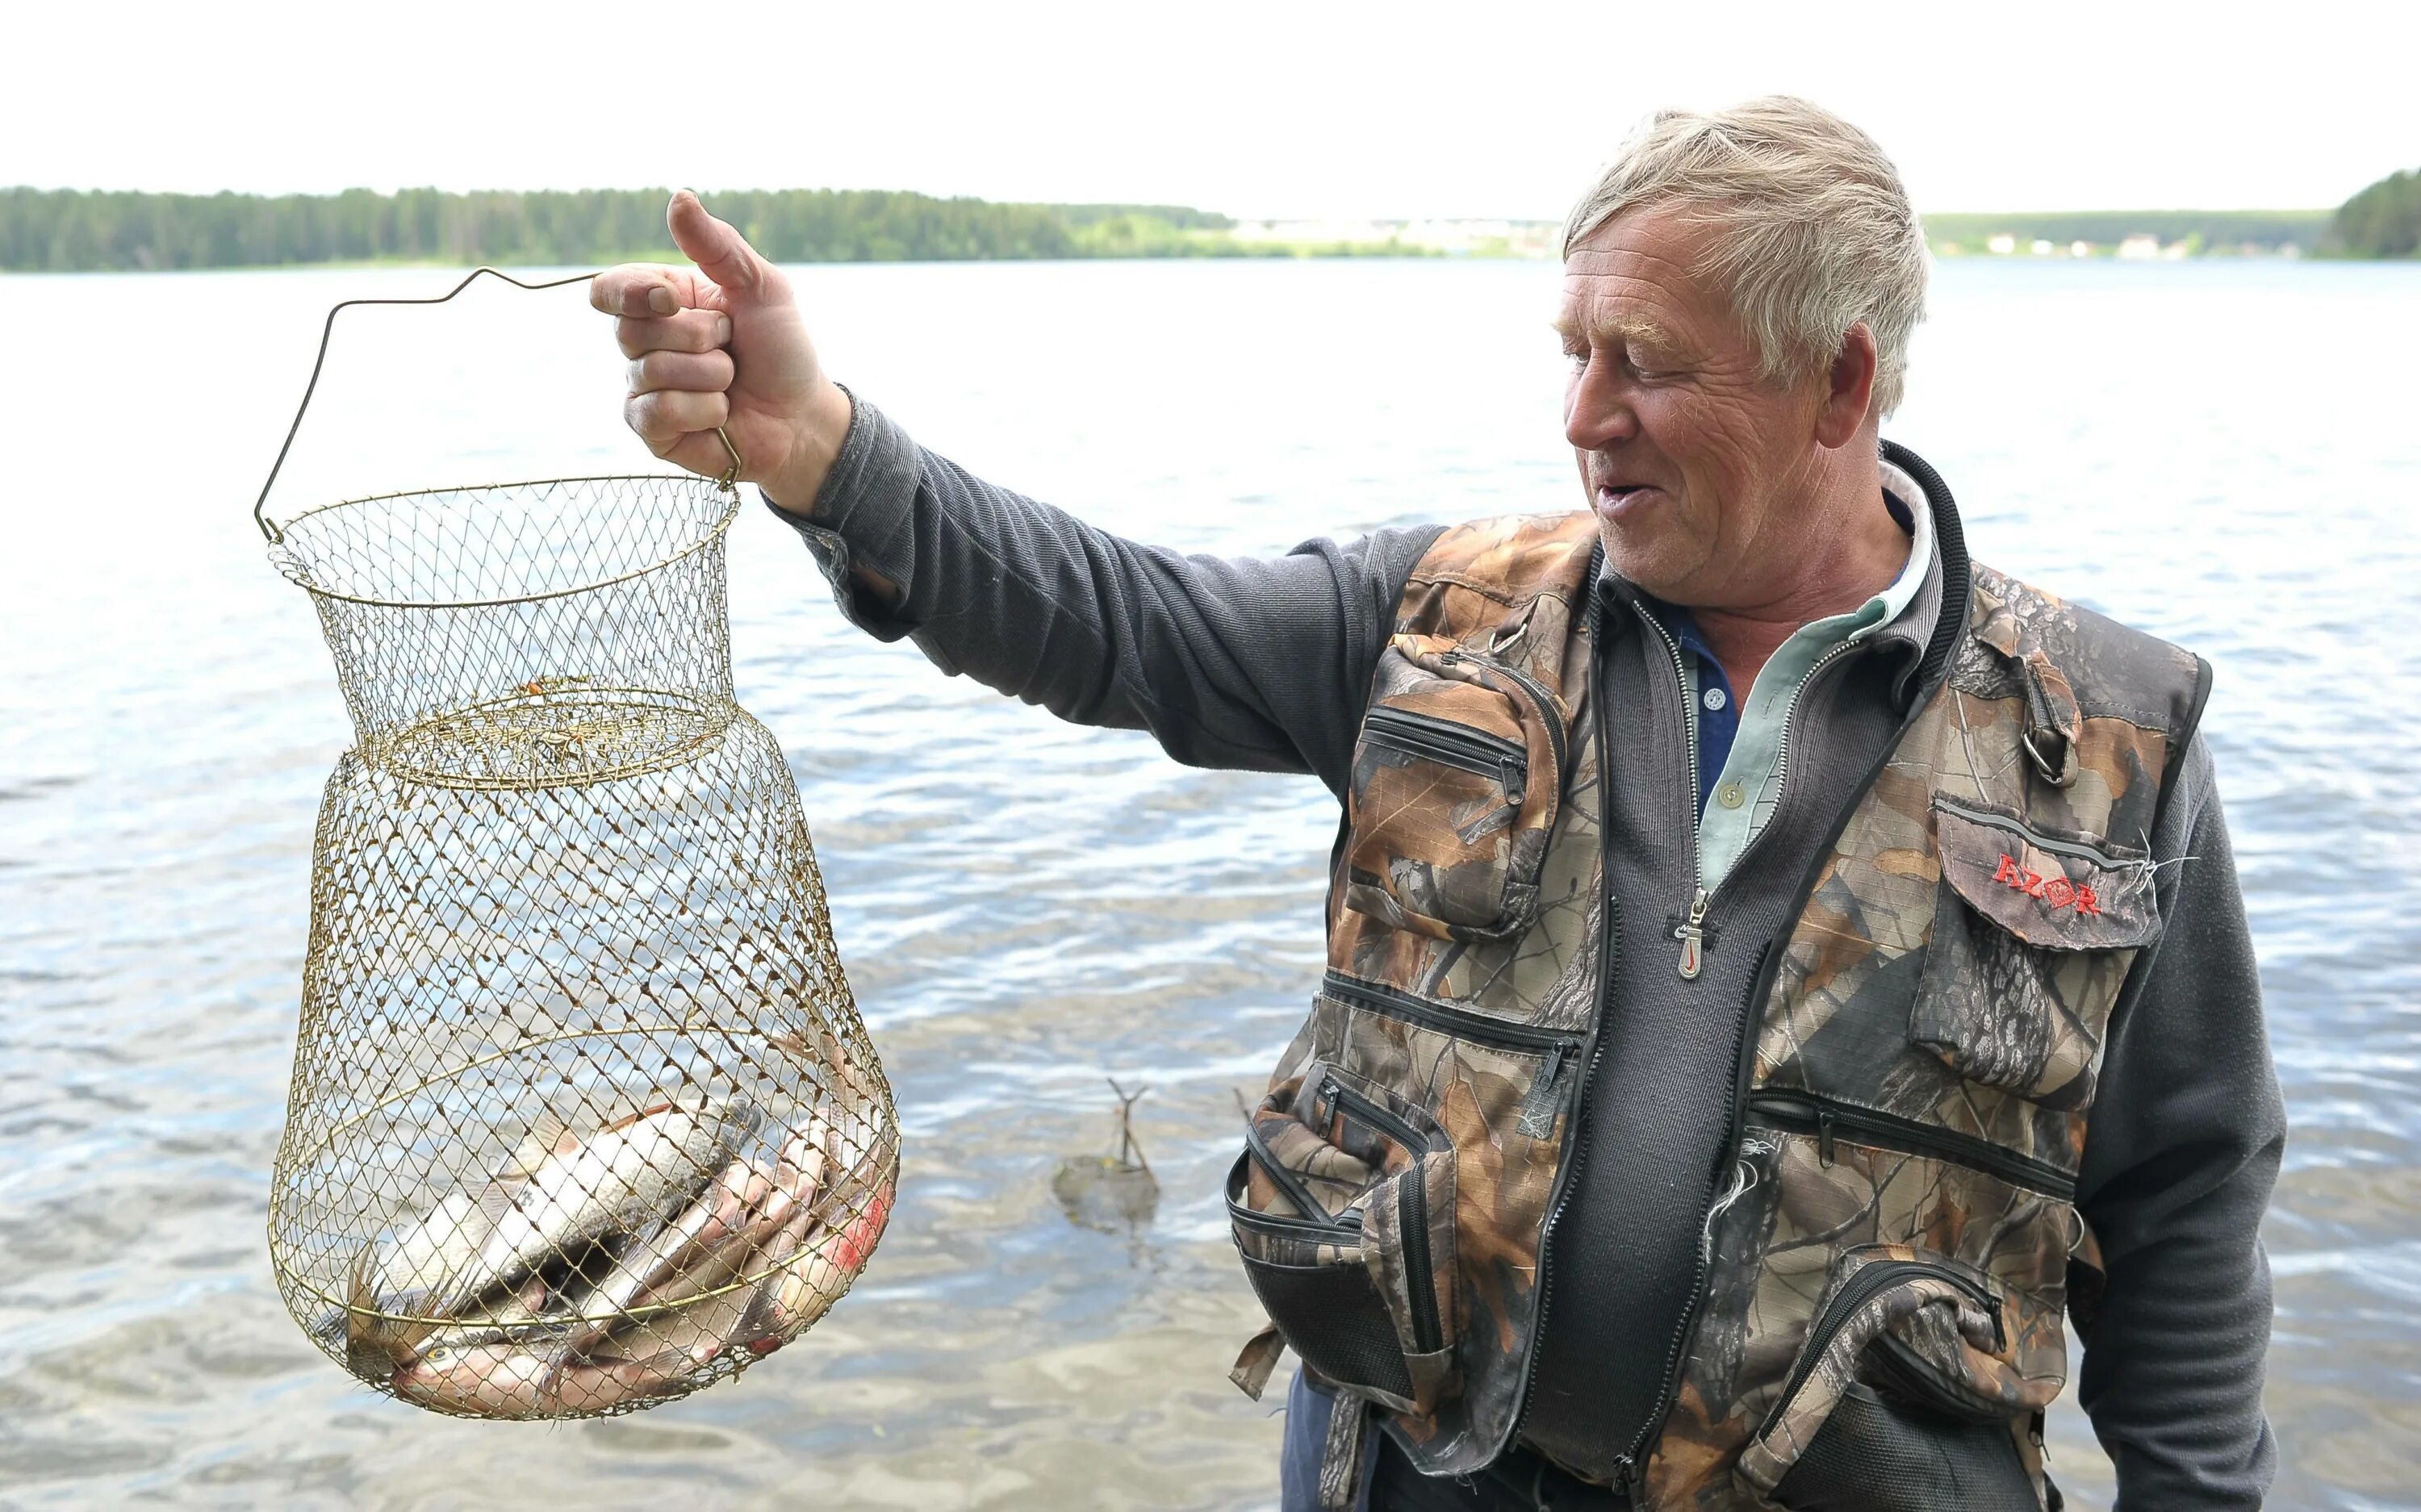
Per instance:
{"type": "Point", "coordinates": [2139, 248]}
{"type": "Point", "coordinates": [2080, 249]}
{"type": "Point", "coordinates": [2042, 247]}
{"type": "Point", "coordinates": [2000, 245]}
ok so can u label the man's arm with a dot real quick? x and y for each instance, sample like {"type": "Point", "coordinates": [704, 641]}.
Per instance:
{"type": "Point", "coordinates": [1258, 663]}
{"type": "Point", "coordinates": [2188, 1126]}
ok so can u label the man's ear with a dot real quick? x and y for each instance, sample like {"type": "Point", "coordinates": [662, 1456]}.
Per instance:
{"type": "Point", "coordinates": [1849, 389]}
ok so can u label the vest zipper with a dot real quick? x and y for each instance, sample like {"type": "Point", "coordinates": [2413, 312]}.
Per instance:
{"type": "Point", "coordinates": [2031, 835]}
{"type": "Point", "coordinates": [1453, 745]}
{"type": "Point", "coordinates": [1342, 1100]}
{"type": "Point", "coordinates": [1461, 1022]}
{"type": "Point", "coordinates": [1574, 1147]}
{"type": "Point", "coordinates": [1806, 1113]}
{"type": "Point", "coordinates": [1872, 1280]}
{"type": "Point", "coordinates": [1334, 1232]}
{"type": "Point", "coordinates": [1412, 1193]}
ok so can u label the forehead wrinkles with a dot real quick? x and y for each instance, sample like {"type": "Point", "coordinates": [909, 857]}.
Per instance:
{"type": "Point", "coordinates": [1602, 318]}
{"type": "Point", "coordinates": [1638, 280]}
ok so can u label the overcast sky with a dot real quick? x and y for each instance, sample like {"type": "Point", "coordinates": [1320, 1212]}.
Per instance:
{"type": "Point", "coordinates": [1289, 110]}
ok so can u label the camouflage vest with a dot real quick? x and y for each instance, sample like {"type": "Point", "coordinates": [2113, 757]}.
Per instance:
{"type": "Point", "coordinates": [1892, 1256]}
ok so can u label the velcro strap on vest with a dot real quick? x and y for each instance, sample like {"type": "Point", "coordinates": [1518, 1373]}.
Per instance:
{"type": "Point", "coordinates": [1341, 1457]}
{"type": "Point", "coordinates": [1258, 1356]}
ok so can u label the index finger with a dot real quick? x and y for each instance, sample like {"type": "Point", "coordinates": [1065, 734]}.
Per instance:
{"type": "Point", "coordinates": [637, 288]}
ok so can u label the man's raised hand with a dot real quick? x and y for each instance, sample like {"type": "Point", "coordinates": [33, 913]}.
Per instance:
{"type": "Point", "coordinates": [722, 344]}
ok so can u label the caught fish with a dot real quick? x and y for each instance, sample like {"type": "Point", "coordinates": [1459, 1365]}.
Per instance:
{"type": "Point", "coordinates": [400, 1280]}
{"type": "Point", "coordinates": [662, 1352]}
{"type": "Point", "coordinates": [655, 1259]}
{"type": "Point", "coordinates": [742, 1227]}
{"type": "Point", "coordinates": [503, 1381]}
{"type": "Point", "coordinates": [625, 1177]}
{"type": "Point", "coordinates": [814, 1274]}
{"type": "Point", "coordinates": [397, 1279]}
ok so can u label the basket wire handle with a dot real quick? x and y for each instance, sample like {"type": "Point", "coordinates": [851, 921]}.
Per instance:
{"type": "Point", "coordinates": [260, 505]}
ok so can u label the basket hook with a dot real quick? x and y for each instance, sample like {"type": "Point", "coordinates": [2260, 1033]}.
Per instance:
{"type": "Point", "coordinates": [727, 482]}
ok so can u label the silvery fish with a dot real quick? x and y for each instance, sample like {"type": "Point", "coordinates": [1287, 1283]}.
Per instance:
{"type": "Point", "coordinates": [624, 1178]}
{"type": "Point", "coordinates": [400, 1279]}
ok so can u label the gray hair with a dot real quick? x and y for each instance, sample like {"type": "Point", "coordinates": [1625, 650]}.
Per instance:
{"type": "Point", "coordinates": [1815, 231]}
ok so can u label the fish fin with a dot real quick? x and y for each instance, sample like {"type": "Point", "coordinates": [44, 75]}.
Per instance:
{"type": "Point", "coordinates": [547, 1134]}
{"type": "Point", "coordinates": [495, 1205]}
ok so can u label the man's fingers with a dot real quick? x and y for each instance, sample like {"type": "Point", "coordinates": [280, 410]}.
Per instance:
{"type": "Point", "coordinates": [700, 372]}
{"type": "Point", "coordinates": [661, 420]}
{"type": "Point", "coordinates": [720, 252]}
{"type": "Point", "coordinates": [689, 330]}
{"type": "Point", "coordinates": [638, 289]}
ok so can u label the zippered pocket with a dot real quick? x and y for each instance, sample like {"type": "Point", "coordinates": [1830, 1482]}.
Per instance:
{"type": "Point", "coordinates": [2034, 933]}
{"type": "Point", "coordinates": [1540, 1101]}
{"type": "Point", "coordinates": [1343, 1212]}
{"type": "Point", "coordinates": [1456, 782]}
{"type": "Point", "coordinates": [1809, 1112]}
{"type": "Point", "coordinates": [1832, 1438]}
{"type": "Point", "coordinates": [1429, 739]}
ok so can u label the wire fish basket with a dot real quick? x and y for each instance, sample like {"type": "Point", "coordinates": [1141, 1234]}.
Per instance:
{"type": "Point", "coordinates": [584, 1116]}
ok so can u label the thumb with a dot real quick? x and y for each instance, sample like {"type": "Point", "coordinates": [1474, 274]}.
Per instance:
{"type": "Point", "coordinates": [720, 252]}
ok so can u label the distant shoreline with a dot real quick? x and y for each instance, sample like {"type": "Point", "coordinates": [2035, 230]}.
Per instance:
{"type": "Point", "coordinates": [75, 231]}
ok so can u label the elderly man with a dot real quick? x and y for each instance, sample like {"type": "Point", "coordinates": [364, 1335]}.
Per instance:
{"type": "Point", "coordinates": [1781, 972]}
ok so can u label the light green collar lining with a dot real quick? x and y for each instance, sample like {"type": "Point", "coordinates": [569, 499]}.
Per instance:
{"type": "Point", "coordinates": [1750, 785]}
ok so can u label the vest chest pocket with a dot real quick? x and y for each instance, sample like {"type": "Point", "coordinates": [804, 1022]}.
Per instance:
{"type": "Point", "coordinates": [1343, 1211]}
{"type": "Point", "coordinates": [2034, 932]}
{"type": "Point", "coordinates": [1455, 787]}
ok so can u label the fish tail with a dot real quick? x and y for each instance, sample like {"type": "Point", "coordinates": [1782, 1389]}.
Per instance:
{"type": "Point", "coordinates": [377, 1346]}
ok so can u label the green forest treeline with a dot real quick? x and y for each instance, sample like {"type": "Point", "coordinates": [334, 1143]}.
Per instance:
{"type": "Point", "coordinates": [2383, 221]}
{"type": "Point", "coordinates": [74, 231]}
{"type": "Point", "coordinates": [68, 230]}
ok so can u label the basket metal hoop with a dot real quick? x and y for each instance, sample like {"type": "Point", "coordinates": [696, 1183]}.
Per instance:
{"type": "Point", "coordinates": [269, 529]}
{"type": "Point", "coordinates": [300, 575]}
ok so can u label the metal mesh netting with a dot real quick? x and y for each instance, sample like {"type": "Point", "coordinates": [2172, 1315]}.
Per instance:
{"type": "Point", "coordinates": [583, 1115]}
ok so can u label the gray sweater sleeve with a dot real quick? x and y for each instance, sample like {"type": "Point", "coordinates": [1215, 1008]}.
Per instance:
{"type": "Point", "coordinates": [1257, 664]}
{"type": "Point", "coordinates": [2188, 1127]}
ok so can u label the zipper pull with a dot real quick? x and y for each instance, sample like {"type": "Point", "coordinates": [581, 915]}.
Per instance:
{"type": "Point", "coordinates": [1537, 1111]}
{"type": "Point", "coordinates": [1629, 1480]}
{"type": "Point", "coordinates": [1824, 1135]}
{"type": "Point", "coordinates": [1693, 937]}
{"type": "Point", "coordinates": [1323, 1104]}
{"type": "Point", "coordinates": [1515, 776]}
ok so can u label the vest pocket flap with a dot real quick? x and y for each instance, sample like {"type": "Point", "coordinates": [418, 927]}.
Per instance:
{"type": "Point", "coordinates": [2033, 937]}
{"type": "Point", "coordinates": [1456, 782]}
{"type": "Point", "coordinates": [2055, 891]}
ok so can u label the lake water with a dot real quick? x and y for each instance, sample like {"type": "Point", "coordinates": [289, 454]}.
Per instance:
{"type": "Point", "coordinates": [2223, 453]}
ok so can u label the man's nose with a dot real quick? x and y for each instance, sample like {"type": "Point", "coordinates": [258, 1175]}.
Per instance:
{"type": "Point", "coordinates": [1597, 410]}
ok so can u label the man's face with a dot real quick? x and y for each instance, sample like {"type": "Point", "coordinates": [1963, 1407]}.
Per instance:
{"type": "Point", "coordinates": [1690, 458]}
